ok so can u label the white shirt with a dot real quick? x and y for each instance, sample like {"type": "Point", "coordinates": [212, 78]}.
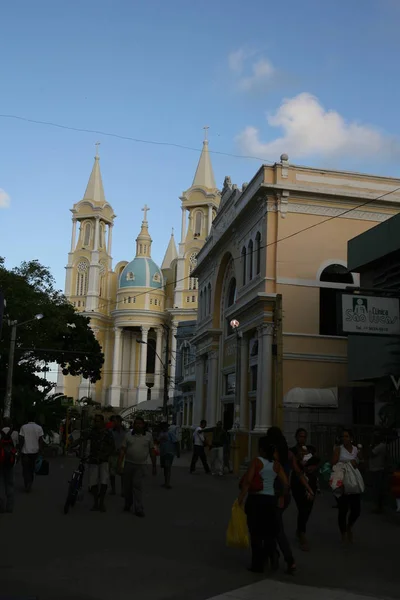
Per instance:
{"type": "Point", "coordinates": [31, 432]}
{"type": "Point", "coordinates": [14, 435]}
{"type": "Point", "coordinates": [198, 437]}
{"type": "Point", "coordinates": [346, 456]}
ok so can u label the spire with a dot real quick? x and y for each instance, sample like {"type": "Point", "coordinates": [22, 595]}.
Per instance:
{"type": "Point", "coordinates": [143, 240]}
{"type": "Point", "coordinates": [171, 253]}
{"type": "Point", "coordinates": [95, 191]}
{"type": "Point", "coordinates": [204, 176]}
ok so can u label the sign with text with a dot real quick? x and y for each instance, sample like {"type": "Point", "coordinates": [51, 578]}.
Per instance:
{"type": "Point", "coordinates": [370, 314]}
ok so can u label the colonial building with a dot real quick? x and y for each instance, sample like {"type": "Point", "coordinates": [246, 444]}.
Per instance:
{"type": "Point", "coordinates": [134, 305]}
{"type": "Point", "coordinates": [274, 262]}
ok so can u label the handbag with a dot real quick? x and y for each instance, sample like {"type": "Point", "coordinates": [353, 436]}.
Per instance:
{"type": "Point", "coordinates": [237, 535]}
{"type": "Point", "coordinates": [257, 485]}
{"type": "Point", "coordinates": [353, 481]}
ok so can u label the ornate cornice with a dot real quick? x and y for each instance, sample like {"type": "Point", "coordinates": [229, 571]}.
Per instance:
{"type": "Point", "coordinates": [326, 211]}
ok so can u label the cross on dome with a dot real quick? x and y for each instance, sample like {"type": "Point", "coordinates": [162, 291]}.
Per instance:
{"type": "Point", "coordinates": [145, 209]}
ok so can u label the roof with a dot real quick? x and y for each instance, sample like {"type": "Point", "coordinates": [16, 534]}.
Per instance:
{"type": "Point", "coordinates": [373, 244]}
{"type": "Point", "coordinates": [204, 175]}
{"type": "Point", "coordinates": [94, 190]}
{"type": "Point", "coordinates": [141, 272]}
{"type": "Point", "coordinates": [171, 253]}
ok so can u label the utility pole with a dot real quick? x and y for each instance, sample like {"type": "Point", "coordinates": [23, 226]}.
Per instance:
{"type": "Point", "coordinates": [166, 362]}
{"type": "Point", "coordinates": [7, 400]}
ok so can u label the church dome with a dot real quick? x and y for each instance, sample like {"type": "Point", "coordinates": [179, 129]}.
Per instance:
{"type": "Point", "coordinates": [141, 272]}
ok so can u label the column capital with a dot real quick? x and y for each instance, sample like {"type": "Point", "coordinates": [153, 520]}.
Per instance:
{"type": "Point", "coordinates": [117, 330]}
{"type": "Point", "coordinates": [266, 329]}
{"type": "Point", "coordinates": [145, 329]}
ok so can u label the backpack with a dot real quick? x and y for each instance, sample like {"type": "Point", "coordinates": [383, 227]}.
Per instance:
{"type": "Point", "coordinates": [8, 451]}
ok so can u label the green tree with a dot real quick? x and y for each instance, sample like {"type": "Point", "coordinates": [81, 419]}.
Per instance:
{"type": "Point", "coordinates": [62, 336]}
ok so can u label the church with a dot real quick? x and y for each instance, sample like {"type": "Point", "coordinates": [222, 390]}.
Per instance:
{"type": "Point", "coordinates": [135, 306]}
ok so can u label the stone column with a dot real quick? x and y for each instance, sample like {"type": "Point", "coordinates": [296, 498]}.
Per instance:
{"type": "Point", "coordinates": [243, 392]}
{"type": "Point", "coordinates": [172, 369]}
{"type": "Point", "coordinates": [209, 217]}
{"type": "Point", "coordinates": [183, 229]}
{"type": "Point", "coordinates": [264, 379]}
{"type": "Point", "coordinates": [115, 390]}
{"type": "Point", "coordinates": [109, 240]}
{"type": "Point", "coordinates": [142, 388]}
{"type": "Point", "coordinates": [159, 370]}
{"type": "Point", "coordinates": [73, 237]}
{"type": "Point", "coordinates": [198, 401]}
{"type": "Point", "coordinates": [212, 389]}
{"type": "Point", "coordinates": [96, 234]}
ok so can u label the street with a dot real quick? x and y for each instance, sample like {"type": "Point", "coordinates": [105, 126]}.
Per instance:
{"type": "Point", "coordinates": [178, 551]}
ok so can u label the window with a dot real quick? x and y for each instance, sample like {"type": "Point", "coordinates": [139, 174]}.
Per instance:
{"type": "Point", "coordinates": [101, 235]}
{"type": "Point", "coordinates": [156, 277]}
{"type": "Point", "coordinates": [193, 298]}
{"type": "Point", "coordinates": [187, 298]}
{"type": "Point", "coordinates": [230, 384]}
{"type": "Point", "coordinates": [258, 253]}
{"type": "Point", "coordinates": [82, 278]}
{"type": "Point", "coordinates": [253, 378]}
{"type": "Point", "coordinates": [209, 299]}
{"type": "Point", "coordinates": [198, 223]}
{"type": "Point", "coordinates": [192, 266]}
{"type": "Point", "coordinates": [151, 300]}
{"type": "Point", "coordinates": [329, 298]}
{"type": "Point", "coordinates": [86, 239]}
{"type": "Point", "coordinates": [250, 253]}
{"type": "Point", "coordinates": [244, 275]}
{"type": "Point", "coordinates": [141, 248]}
{"type": "Point", "coordinates": [130, 276]}
{"type": "Point", "coordinates": [129, 300]}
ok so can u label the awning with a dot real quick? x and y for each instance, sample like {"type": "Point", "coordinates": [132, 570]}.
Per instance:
{"type": "Point", "coordinates": [152, 405]}
{"type": "Point", "coordinates": [311, 398]}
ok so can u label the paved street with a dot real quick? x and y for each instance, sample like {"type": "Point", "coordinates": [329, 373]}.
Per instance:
{"type": "Point", "coordinates": [178, 551]}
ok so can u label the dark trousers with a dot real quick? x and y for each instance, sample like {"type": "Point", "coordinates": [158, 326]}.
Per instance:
{"type": "Point", "coordinates": [350, 506]}
{"type": "Point", "coordinates": [7, 477]}
{"type": "Point", "coordinates": [132, 482]}
{"type": "Point", "coordinates": [304, 507]}
{"type": "Point", "coordinates": [263, 523]}
{"type": "Point", "coordinates": [281, 538]}
{"type": "Point", "coordinates": [28, 469]}
{"type": "Point", "coordinates": [378, 480]}
{"type": "Point", "coordinates": [199, 453]}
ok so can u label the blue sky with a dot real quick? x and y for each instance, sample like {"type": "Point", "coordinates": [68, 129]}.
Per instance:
{"type": "Point", "coordinates": [317, 80]}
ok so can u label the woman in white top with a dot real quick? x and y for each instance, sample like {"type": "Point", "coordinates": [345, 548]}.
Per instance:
{"type": "Point", "coordinates": [349, 505]}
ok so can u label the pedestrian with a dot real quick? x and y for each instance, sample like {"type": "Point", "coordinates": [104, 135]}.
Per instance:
{"type": "Point", "coordinates": [349, 504]}
{"type": "Point", "coordinates": [199, 445]}
{"type": "Point", "coordinates": [177, 432]}
{"type": "Point", "coordinates": [308, 463]}
{"type": "Point", "coordinates": [118, 433]}
{"type": "Point", "coordinates": [135, 450]}
{"type": "Point", "coordinates": [101, 448]}
{"type": "Point", "coordinates": [219, 439]}
{"type": "Point", "coordinates": [111, 423]}
{"type": "Point", "coordinates": [167, 444]}
{"type": "Point", "coordinates": [261, 506]}
{"type": "Point", "coordinates": [395, 487]}
{"type": "Point", "coordinates": [31, 443]}
{"type": "Point", "coordinates": [377, 465]}
{"type": "Point", "coordinates": [8, 452]}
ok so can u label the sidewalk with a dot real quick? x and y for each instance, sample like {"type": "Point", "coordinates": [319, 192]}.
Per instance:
{"type": "Point", "coordinates": [288, 591]}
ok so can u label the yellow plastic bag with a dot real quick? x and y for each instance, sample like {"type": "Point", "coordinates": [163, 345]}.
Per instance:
{"type": "Point", "coordinates": [237, 535]}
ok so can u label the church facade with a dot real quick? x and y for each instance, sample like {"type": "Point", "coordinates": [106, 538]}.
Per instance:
{"type": "Point", "coordinates": [135, 306]}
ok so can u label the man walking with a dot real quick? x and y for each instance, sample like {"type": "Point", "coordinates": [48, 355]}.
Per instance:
{"type": "Point", "coordinates": [101, 448]}
{"type": "Point", "coordinates": [31, 443]}
{"type": "Point", "coordinates": [199, 444]}
{"type": "Point", "coordinates": [135, 450]}
{"type": "Point", "coordinates": [118, 433]}
{"type": "Point", "coordinates": [8, 450]}
{"type": "Point", "coordinates": [219, 439]}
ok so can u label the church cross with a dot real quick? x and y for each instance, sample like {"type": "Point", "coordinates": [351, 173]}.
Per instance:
{"type": "Point", "coordinates": [97, 144]}
{"type": "Point", "coordinates": [145, 209]}
{"type": "Point", "coordinates": [206, 128]}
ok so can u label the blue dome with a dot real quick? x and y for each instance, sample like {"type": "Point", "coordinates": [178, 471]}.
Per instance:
{"type": "Point", "coordinates": [141, 272]}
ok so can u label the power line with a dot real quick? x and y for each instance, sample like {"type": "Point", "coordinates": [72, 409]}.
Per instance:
{"type": "Point", "coordinates": [129, 138]}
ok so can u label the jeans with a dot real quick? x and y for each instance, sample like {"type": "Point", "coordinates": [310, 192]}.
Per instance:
{"type": "Point", "coordinates": [132, 483]}
{"type": "Point", "coordinates": [217, 460]}
{"type": "Point", "coordinates": [28, 469]}
{"type": "Point", "coordinates": [304, 507]}
{"type": "Point", "coordinates": [199, 452]}
{"type": "Point", "coordinates": [7, 477]}
{"type": "Point", "coordinates": [350, 504]}
{"type": "Point", "coordinates": [263, 524]}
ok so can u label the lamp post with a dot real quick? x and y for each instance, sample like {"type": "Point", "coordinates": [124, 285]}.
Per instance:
{"type": "Point", "coordinates": [236, 425]}
{"type": "Point", "coordinates": [14, 325]}
{"type": "Point", "coordinates": [165, 369]}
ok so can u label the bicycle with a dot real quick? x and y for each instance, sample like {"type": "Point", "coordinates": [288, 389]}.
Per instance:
{"type": "Point", "coordinates": [75, 486]}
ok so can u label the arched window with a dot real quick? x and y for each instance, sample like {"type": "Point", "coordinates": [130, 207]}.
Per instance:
{"type": "Point", "coordinates": [230, 301]}
{"type": "Point", "coordinates": [198, 223]}
{"type": "Point", "coordinates": [82, 278]}
{"type": "Point", "coordinates": [101, 235]}
{"type": "Point", "coordinates": [86, 237]}
{"type": "Point", "coordinates": [192, 266]}
{"type": "Point", "coordinates": [103, 271]}
{"type": "Point", "coordinates": [329, 297]}
{"type": "Point", "coordinates": [209, 299]}
{"type": "Point", "coordinates": [251, 256]}
{"type": "Point", "coordinates": [258, 253]}
{"type": "Point", "coordinates": [244, 266]}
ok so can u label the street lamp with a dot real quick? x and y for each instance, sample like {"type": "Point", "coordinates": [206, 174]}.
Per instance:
{"type": "Point", "coordinates": [14, 325]}
{"type": "Point", "coordinates": [165, 368]}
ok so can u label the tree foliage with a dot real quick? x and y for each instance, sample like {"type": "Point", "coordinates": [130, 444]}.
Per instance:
{"type": "Point", "coordinates": [62, 336]}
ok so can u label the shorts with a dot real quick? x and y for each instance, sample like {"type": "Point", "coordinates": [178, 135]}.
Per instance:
{"type": "Point", "coordinates": [166, 461]}
{"type": "Point", "coordinates": [98, 474]}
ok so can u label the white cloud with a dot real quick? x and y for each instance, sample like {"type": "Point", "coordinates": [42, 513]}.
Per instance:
{"type": "Point", "coordinates": [250, 76]}
{"type": "Point", "coordinates": [4, 199]}
{"type": "Point", "coordinates": [308, 129]}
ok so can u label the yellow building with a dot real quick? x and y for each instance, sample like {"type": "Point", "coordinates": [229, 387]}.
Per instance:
{"type": "Point", "coordinates": [133, 306]}
{"type": "Point", "coordinates": [275, 261]}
